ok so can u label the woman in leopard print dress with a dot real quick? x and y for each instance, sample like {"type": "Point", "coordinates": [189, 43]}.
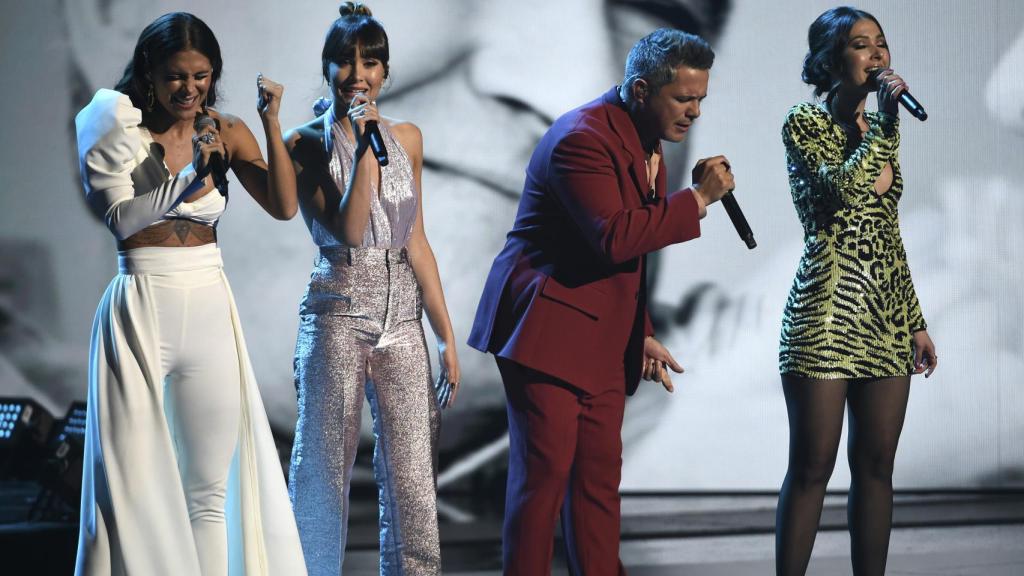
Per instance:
{"type": "Point", "coordinates": [852, 330]}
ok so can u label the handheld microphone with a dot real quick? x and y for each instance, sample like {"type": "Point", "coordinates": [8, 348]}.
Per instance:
{"type": "Point", "coordinates": [905, 98]}
{"type": "Point", "coordinates": [738, 221]}
{"type": "Point", "coordinates": [217, 166]}
{"type": "Point", "coordinates": [376, 142]}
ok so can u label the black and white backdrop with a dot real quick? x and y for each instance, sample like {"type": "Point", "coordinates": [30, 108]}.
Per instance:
{"type": "Point", "coordinates": [483, 80]}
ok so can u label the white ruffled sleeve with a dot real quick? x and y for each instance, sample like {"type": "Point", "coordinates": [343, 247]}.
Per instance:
{"type": "Point", "coordinates": [119, 186]}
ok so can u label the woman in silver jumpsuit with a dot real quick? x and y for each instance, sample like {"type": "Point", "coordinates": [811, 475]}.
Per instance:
{"type": "Point", "coordinates": [360, 330]}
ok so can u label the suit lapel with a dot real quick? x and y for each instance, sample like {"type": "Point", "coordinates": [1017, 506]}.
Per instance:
{"type": "Point", "coordinates": [638, 170]}
{"type": "Point", "coordinates": [624, 128]}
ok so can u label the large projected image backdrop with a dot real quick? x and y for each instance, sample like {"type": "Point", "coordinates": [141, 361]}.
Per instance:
{"type": "Point", "coordinates": [959, 216]}
{"type": "Point", "coordinates": [483, 80]}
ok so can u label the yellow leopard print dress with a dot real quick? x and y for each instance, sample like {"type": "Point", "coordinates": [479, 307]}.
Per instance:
{"type": "Point", "coordinates": [852, 310]}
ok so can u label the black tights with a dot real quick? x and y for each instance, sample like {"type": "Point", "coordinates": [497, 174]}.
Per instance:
{"type": "Point", "coordinates": [877, 408]}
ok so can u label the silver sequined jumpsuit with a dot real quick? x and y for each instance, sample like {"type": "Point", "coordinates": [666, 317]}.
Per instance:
{"type": "Point", "coordinates": [360, 333]}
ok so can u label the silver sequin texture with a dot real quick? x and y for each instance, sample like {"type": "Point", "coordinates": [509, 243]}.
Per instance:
{"type": "Point", "coordinates": [392, 208]}
{"type": "Point", "coordinates": [360, 333]}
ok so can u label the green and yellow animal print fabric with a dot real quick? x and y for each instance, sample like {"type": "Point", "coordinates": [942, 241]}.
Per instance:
{"type": "Point", "coordinates": [852, 310]}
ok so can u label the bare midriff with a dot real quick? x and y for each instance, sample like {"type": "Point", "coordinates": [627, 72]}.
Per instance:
{"type": "Point", "coordinates": [176, 232]}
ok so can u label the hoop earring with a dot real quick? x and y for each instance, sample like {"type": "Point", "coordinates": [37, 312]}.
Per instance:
{"type": "Point", "coordinates": [150, 99]}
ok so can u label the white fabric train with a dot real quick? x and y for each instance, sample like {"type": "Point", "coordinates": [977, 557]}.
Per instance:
{"type": "Point", "coordinates": [135, 517]}
{"type": "Point", "coordinates": [134, 514]}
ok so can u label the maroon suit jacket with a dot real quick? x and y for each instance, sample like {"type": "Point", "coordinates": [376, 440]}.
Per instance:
{"type": "Point", "coordinates": [567, 294]}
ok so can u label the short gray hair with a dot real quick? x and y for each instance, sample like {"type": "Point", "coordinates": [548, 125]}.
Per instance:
{"type": "Point", "coordinates": [656, 56]}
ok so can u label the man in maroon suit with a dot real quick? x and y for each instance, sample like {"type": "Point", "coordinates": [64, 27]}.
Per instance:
{"type": "Point", "coordinates": [564, 309]}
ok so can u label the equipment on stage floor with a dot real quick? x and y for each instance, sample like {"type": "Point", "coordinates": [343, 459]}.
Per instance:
{"type": "Point", "coordinates": [36, 447]}
{"type": "Point", "coordinates": [62, 471]}
{"type": "Point", "coordinates": [24, 431]}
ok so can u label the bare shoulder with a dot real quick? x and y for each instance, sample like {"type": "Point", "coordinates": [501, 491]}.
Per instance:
{"type": "Point", "coordinates": [236, 135]}
{"type": "Point", "coordinates": [408, 135]}
{"type": "Point", "coordinates": [305, 143]}
{"type": "Point", "coordinates": [304, 134]}
{"type": "Point", "coordinates": [227, 123]}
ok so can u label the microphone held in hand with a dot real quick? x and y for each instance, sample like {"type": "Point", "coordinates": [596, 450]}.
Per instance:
{"type": "Point", "coordinates": [217, 166]}
{"type": "Point", "coordinates": [905, 98]}
{"type": "Point", "coordinates": [380, 152]}
{"type": "Point", "coordinates": [738, 221]}
{"type": "Point", "coordinates": [376, 143]}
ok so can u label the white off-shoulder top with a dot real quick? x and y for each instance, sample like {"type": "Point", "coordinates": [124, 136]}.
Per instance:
{"type": "Point", "coordinates": [126, 185]}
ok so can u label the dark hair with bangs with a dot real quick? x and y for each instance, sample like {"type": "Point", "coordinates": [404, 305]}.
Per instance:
{"type": "Point", "coordinates": [163, 38]}
{"type": "Point", "coordinates": [355, 27]}
{"type": "Point", "coordinates": [826, 40]}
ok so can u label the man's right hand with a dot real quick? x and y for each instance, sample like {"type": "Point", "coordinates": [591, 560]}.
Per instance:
{"type": "Point", "coordinates": [712, 178]}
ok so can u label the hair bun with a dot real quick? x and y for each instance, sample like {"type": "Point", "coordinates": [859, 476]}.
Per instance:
{"type": "Point", "coordinates": [353, 9]}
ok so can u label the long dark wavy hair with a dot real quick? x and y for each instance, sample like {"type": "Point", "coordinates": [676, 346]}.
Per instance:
{"type": "Point", "coordinates": [826, 40]}
{"type": "Point", "coordinates": [163, 38]}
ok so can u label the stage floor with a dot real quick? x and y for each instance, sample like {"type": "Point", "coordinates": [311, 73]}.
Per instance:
{"type": "Point", "coordinates": [947, 551]}
{"type": "Point", "coordinates": [936, 534]}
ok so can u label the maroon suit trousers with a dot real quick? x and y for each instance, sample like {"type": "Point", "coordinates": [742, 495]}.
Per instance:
{"type": "Point", "coordinates": [565, 455]}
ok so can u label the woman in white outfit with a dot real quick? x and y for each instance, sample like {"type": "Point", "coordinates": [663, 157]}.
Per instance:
{"type": "Point", "coordinates": [181, 474]}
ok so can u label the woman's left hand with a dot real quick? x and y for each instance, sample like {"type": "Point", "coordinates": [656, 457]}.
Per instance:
{"type": "Point", "coordinates": [890, 86]}
{"type": "Point", "coordinates": [925, 357]}
{"type": "Point", "coordinates": [449, 376]}
{"type": "Point", "coordinates": [268, 97]}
